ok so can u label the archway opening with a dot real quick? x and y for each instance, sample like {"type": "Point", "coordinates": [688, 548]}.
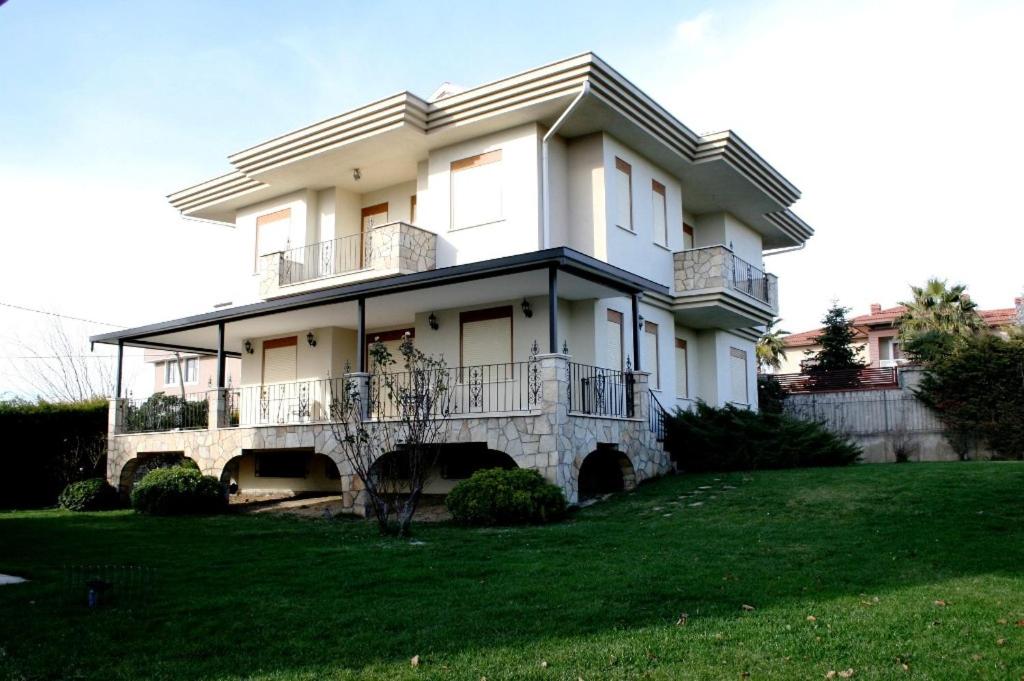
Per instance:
{"type": "Point", "coordinates": [604, 471]}
{"type": "Point", "coordinates": [280, 473]}
{"type": "Point", "coordinates": [144, 462]}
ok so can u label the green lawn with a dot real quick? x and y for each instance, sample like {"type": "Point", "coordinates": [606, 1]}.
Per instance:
{"type": "Point", "coordinates": [843, 567]}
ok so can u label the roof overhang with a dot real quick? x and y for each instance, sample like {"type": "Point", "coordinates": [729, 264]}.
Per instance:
{"type": "Point", "coordinates": [719, 171]}
{"type": "Point", "coordinates": [459, 286]}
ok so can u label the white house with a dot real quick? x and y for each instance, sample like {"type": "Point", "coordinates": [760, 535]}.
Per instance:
{"type": "Point", "coordinates": [581, 257]}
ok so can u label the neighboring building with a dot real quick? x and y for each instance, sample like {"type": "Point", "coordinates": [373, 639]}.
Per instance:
{"type": "Point", "coordinates": [560, 207]}
{"type": "Point", "coordinates": [199, 372]}
{"type": "Point", "coordinates": [877, 336]}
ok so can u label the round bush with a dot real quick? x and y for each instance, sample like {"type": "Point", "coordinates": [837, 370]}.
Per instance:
{"type": "Point", "coordinates": [93, 494]}
{"type": "Point", "coordinates": [176, 491]}
{"type": "Point", "coordinates": [505, 497]}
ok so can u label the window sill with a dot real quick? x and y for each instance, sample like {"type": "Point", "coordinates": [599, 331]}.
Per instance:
{"type": "Point", "coordinates": [626, 229]}
{"type": "Point", "coordinates": [662, 246]}
{"type": "Point", "coordinates": [479, 224]}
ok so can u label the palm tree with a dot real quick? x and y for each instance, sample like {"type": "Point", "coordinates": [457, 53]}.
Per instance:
{"type": "Point", "coordinates": [771, 347]}
{"type": "Point", "coordinates": [939, 309]}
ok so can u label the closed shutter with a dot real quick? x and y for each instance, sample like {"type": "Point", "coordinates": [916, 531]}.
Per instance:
{"type": "Point", "coordinates": [682, 389]}
{"type": "Point", "coordinates": [660, 212]}
{"type": "Point", "coordinates": [487, 337]}
{"type": "Point", "coordinates": [651, 359]}
{"type": "Point", "coordinates": [272, 232]}
{"type": "Point", "coordinates": [279, 360]}
{"type": "Point", "coordinates": [738, 371]}
{"type": "Point", "coordinates": [613, 356]}
{"type": "Point", "coordinates": [623, 194]}
{"type": "Point", "coordinates": [476, 190]}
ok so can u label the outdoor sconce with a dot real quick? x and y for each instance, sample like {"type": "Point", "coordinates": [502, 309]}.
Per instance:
{"type": "Point", "coordinates": [527, 308]}
{"type": "Point", "coordinates": [311, 339]}
{"type": "Point", "coordinates": [432, 321]}
{"type": "Point", "coordinates": [356, 175]}
{"type": "Point", "coordinates": [248, 347]}
{"type": "Point", "coordinates": [640, 322]}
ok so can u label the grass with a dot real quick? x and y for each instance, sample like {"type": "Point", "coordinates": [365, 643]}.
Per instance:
{"type": "Point", "coordinates": [865, 551]}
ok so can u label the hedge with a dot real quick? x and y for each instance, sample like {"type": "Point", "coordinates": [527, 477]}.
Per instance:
{"type": "Point", "coordinates": [46, 445]}
{"type": "Point", "coordinates": [497, 496]}
{"type": "Point", "coordinates": [178, 490]}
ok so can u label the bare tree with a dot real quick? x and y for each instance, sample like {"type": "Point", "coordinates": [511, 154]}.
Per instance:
{"type": "Point", "coordinates": [57, 369]}
{"type": "Point", "coordinates": [391, 436]}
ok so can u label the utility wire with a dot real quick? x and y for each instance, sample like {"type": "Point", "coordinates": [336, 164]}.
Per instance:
{"type": "Point", "coordinates": [63, 316]}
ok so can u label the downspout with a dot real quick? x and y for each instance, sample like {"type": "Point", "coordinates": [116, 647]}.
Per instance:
{"type": "Point", "coordinates": [545, 190]}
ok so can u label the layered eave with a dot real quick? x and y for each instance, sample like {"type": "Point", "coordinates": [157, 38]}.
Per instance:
{"type": "Point", "coordinates": [539, 94]}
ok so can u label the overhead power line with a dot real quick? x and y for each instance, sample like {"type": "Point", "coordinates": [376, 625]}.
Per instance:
{"type": "Point", "coordinates": [62, 316]}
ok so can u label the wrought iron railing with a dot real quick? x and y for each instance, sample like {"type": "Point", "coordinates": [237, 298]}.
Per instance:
{"type": "Point", "coordinates": [164, 412]}
{"type": "Point", "coordinates": [489, 388]}
{"type": "Point", "coordinates": [744, 277]}
{"type": "Point", "coordinates": [325, 259]}
{"type": "Point", "coordinates": [656, 416]}
{"type": "Point", "coordinates": [279, 404]}
{"type": "Point", "coordinates": [600, 392]}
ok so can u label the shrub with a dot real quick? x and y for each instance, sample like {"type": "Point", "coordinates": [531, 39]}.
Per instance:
{"type": "Point", "coordinates": [93, 494]}
{"type": "Point", "coordinates": [732, 439]}
{"type": "Point", "coordinates": [176, 491]}
{"type": "Point", "coordinates": [496, 496]}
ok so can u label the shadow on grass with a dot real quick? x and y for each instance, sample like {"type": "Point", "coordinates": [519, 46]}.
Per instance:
{"type": "Point", "coordinates": [238, 593]}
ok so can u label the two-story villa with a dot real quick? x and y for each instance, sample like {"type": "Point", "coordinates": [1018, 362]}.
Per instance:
{"type": "Point", "coordinates": [580, 258]}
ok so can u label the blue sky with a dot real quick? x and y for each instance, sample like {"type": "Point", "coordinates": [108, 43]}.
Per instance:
{"type": "Point", "coordinates": [900, 122]}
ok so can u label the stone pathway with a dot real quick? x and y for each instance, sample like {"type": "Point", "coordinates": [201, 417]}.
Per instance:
{"type": "Point", "coordinates": [11, 579]}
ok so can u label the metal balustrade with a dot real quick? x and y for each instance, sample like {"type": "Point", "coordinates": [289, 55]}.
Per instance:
{"type": "Point", "coordinates": [325, 259]}
{"type": "Point", "coordinates": [164, 412]}
{"type": "Point", "coordinates": [600, 392]}
{"type": "Point", "coordinates": [489, 388]}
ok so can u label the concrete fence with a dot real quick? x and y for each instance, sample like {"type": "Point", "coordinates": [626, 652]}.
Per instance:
{"type": "Point", "coordinates": [882, 422]}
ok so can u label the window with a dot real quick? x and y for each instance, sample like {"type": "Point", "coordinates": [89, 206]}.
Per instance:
{"type": "Point", "coordinates": [660, 208]}
{"type": "Point", "coordinates": [272, 233]}
{"type": "Point", "coordinates": [392, 340]}
{"type": "Point", "coordinates": [279, 360]}
{"type": "Point", "coordinates": [624, 194]}
{"type": "Point", "coordinates": [651, 359]}
{"type": "Point", "coordinates": [687, 237]}
{"type": "Point", "coordinates": [682, 379]}
{"type": "Point", "coordinates": [190, 370]}
{"type": "Point", "coordinates": [486, 338]}
{"type": "Point", "coordinates": [412, 209]}
{"type": "Point", "coordinates": [738, 374]}
{"type": "Point", "coordinates": [282, 464]}
{"type": "Point", "coordinates": [476, 190]}
{"type": "Point", "coordinates": [614, 341]}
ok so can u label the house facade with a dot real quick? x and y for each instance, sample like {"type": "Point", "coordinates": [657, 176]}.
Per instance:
{"type": "Point", "coordinates": [173, 371]}
{"type": "Point", "coordinates": [581, 260]}
{"type": "Point", "coordinates": [876, 337]}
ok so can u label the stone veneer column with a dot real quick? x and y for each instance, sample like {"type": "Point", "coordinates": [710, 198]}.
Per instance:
{"type": "Point", "coordinates": [270, 274]}
{"type": "Point", "coordinates": [553, 422]}
{"type": "Point", "coordinates": [217, 416]}
{"type": "Point", "coordinates": [641, 401]}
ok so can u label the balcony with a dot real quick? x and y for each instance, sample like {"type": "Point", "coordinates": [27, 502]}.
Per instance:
{"type": "Point", "coordinates": [727, 290]}
{"type": "Point", "coordinates": [393, 248]}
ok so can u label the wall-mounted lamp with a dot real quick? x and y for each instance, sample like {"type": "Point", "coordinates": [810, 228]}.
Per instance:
{"type": "Point", "coordinates": [432, 321]}
{"type": "Point", "coordinates": [248, 347]}
{"type": "Point", "coordinates": [527, 308]}
{"type": "Point", "coordinates": [311, 339]}
{"type": "Point", "coordinates": [640, 322]}
{"type": "Point", "coordinates": [356, 175]}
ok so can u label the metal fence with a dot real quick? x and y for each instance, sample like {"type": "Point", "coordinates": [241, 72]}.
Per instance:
{"type": "Point", "coordinates": [164, 412]}
{"type": "Point", "coordinates": [867, 378]}
{"type": "Point", "coordinates": [489, 388]}
{"type": "Point", "coordinates": [744, 277]}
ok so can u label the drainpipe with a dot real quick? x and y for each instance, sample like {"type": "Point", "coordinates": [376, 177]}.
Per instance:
{"type": "Point", "coordinates": [545, 198]}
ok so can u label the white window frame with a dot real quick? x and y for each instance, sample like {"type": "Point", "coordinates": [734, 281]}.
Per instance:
{"type": "Point", "coordinates": [653, 365]}
{"type": "Point", "coordinates": [659, 206]}
{"type": "Point", "coordinates": [625, 169]}
{"type": "Point", "coordinates": [684, 390]}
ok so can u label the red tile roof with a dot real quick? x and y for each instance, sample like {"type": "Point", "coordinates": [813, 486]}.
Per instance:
{"type": "Point", "coordinates": [888, 316]}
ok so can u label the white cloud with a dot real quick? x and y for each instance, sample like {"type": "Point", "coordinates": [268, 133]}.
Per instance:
{"type": "Point", "coordinates": [695, 30]}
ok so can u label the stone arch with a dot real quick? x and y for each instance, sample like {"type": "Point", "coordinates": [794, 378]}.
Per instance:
{"type": "Point", "coordinates": [135, 468]}
{"type": "Point", "coordinates": [603, 471]}
{"type": "Point", "coordinates": [261, 471]}
{"type": "Point", "coordinates": [456, 461]}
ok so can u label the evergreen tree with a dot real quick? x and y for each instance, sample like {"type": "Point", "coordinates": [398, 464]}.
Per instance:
{"type": "Point", "coordinates": [836, 339]}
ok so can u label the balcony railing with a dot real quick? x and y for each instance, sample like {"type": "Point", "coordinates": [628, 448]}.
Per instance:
{"type": "Point", "coordinates": [165, 412]}
{"type": "Point", "coordinates": [600, 392]}
{"type": "Point", "coordinates": [489, 388]}
{"type": "Point", "coordinates": [325, 259]}
{"type": "Point", "coordinates": [719, 267]}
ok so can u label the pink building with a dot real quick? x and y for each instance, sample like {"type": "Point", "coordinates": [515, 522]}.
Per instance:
{"type": "Point", "coordinates": [199, 372]}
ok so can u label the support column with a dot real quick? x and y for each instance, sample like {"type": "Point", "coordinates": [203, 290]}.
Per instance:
{"type": "Point", "coordinates": [553, 309]}
{"type": "Point", "coordinates": [636, 331]}
{"type": "Point", "coordinates": [361, 337]}
{"type": "Point", "coordinates": [221, 359]}
{"type": "Point", "coordinates": [120, 367]}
